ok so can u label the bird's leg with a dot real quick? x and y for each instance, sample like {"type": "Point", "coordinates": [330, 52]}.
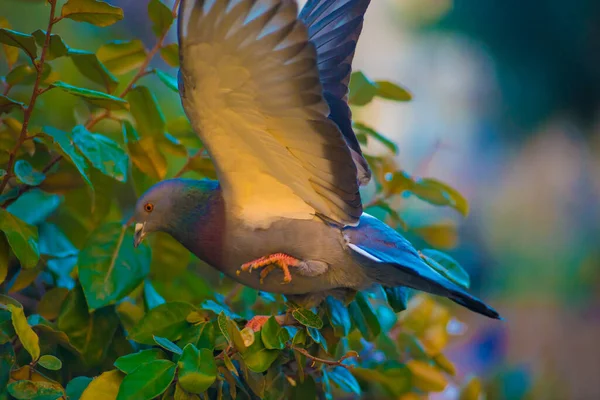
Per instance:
{"type": "Point", "coordinates": [271, 262]}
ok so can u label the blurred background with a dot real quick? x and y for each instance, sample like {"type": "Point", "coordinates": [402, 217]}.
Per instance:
{"type": "Point", "coordinates": [506, 110]}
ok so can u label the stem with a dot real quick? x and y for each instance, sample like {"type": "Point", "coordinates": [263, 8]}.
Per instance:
{"type": "Point", "coordinates": [337, 363]}
{"type": "Point", "coordinates": [34, 95]}
{"type": "Point", "coordinates": [26, 188]}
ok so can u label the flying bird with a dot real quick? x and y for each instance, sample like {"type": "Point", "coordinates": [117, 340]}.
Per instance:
{"type": "Point", "coordinates": [266, 90]}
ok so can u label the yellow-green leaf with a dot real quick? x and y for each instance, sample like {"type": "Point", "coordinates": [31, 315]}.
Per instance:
{"type": "Point", "coordinates": [27, 389]}
{"type": "Point", "coordinates": [88, 64]}
{"type": "Point", "coordinates": [144, 108]}
{"type": "Point", "coordinates": [95, 12]}
{"type": "Point", "coordinates": [50, 362]}
{"type": "Point", "coordinates": [161, 17]}
{"type": "Point", "coordinates": [471, 390]}
{"type": "Point", "coordinates": [22, 238]}
{"type": "Point", "coordinates": [51, 302]}
{"type": "Point", "coordinates": [439, 193]}
{"type": "Point", "coordinates": [197, 369]}
{"type": "Point", "coordinates": [29, 339]}
{"type": "Point", "coordinates": [446, 266]}
{"type": "Point", "coordinates": [144, 153]}
{"type": "Point", "coordinates": [362, 89]}
{"type": "Point", "coordinates": [12, 53]}
{"type": "Point", "coordinates": [4, 257]}
{"type": "Point", "coordinates": [170, 54]}
{"type": "Point", "coordinates": [103, 153]}
{"type": "Point", "coordinates": [7, 104]}
{"type": "Point", "coordinates": [93, 97]}
{"type": "Point", "coordinates": [307, 318]}
{"type": "Point", "coordinates": [19, 39]}
{"type": "Point", "coordinates": [147, 381]}
{"type": "Point", "coordinates": [105, 386]}
{"type": "Point", "coordinates": [370, 132]}
{"type": "Point", "coordinates": [56, 48]}
{"type": "Point", "coordinates": [426, 377]}
{"type": "Point", "coordinates": [130, 362]}
{"type": "Point", "coordinates": [392, 91]}
{"type": "Point", "coordinates": [167, 344]}
{"type": "Point", "coordinates": [121, 57]}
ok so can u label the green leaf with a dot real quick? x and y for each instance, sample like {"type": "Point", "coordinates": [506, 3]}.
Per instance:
{"type": "Point", "coordinates": [110, 267]}
{"type": "Point", "coordinates": [345, 380]}
{"type": "Point", "coordinates": [104, 153]}
{"type": "Point", "coordinates": [144, 108]}
{"type": "Point", "coordinates": [29, 339]}
{"type": "Point", "coordinates": [4, 257]}
{"type": "Point", "coordinates": [307, 318]}
{"type": "Point", "coordinates": [272, 335]}
{"type": "Point", "coordinates": [37, 390]}
{"type": "Point", "coordinates": [168, 80]}
{"type": "Point", "coordinates": [95, 12]}
{"type": "Point", "coordinates": [391, 91]}
{"type": "Point", "coordinates": [147, 381]}
{"type": "Point", "coordinates": [7, 361]}
{"type": "Point", "coordinates": [93, 97]}
{"type": "Point", "coordinates": [77, 386]}
{"type": "Point", "coordinates": [197, 369]}
{"type": "Point", "coordinates": [397, 297]}
{"type": "Point", "coordinates": [396, 379]}
{"type": "Point", "coordinates": [12, 53]}
{"type": "Point", "coordinates": [446, 266]}
{"type": "Point", "coordinates": [471, 390]}
{"type": "Point", "coordinates": [105, 386]}
{"type": "Point", "coordinates": [131, 362]}
{"type": "Point", "coordinates": [57, 48]}
{"type": "Point", "coordinates": [167, 344]}
{"type": "Point", "coordinates": [438, 193]}
{"type": "Point", "coordinates": [362, 89]}
{"type": "Point", "coordinates": [170, 54]}
{"type": "Point", "coordinates": [338, 315]}
{"type": "Point", "coordinates": [370, 132]}
{"type": "Point", "coordinates": [121, 57]}
{"type": "Point", "coordinates": [201, 335]}
{"type": "Point", "coordinates": [223, 325]}
{"type": "Point", "coordinates": [19, 39]}
{"type": "Point", "coordinates": [151, 297]}
{"type": "Point", "coordinates": [8, 104]}
{"type": "Point", "coordinates": [167, 320]}
{"type": "Point", "coordinates": [50, 362]}
{"type": "Point", "coordinates": [144, 153]}
{"type": "Point", "coordinates": [23, 74]}
{"type": "Point", "coordinates": [257, 357]}
{"type": "Point", "coordinates": [363, 315]}
{"type": "Point", "coordinates": [26, 174]}
{"type": "Point", "coordinates": [21, 237]}
{"type": "Point", "coordinates": [426, 377]}
{"type": "Point", "coordinates": [161, 17]}
{"type": "Point", "coordinates": [88, 64]}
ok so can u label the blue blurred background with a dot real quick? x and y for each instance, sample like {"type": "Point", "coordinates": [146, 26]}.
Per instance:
{"type": "Point", "coordinates": [505, 109]}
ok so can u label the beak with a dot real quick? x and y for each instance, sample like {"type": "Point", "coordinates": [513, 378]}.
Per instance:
{"type": "Point", "coordinates": [139, 234]}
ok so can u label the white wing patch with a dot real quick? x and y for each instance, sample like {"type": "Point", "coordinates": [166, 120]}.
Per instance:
{"type": "Point", "coordinates": [363, 252]}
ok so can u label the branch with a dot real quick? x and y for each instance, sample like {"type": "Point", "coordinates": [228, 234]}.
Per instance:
{"type": "Point", "coordinates": [338, 363]}
{"type": "Point", "coordinates": [34, 95]}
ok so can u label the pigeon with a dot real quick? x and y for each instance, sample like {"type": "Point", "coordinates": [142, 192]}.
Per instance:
{"type": "Point", "coordinates": [266, 90]}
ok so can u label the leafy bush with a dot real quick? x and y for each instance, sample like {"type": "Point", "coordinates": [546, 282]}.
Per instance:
{"type": "Point", "coordinates": [85, 315]}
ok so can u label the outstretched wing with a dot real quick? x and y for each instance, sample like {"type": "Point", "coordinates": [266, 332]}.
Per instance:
{"type": "Point", "coordinates": [334, 27]}
{"type": "Point", "coordinates": [251, 88]}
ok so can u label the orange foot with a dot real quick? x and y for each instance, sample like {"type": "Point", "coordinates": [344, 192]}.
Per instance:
{"type": "Point", "coordinates": [271, 262]}
{"type": "Point", "coordinates": [257, 322]}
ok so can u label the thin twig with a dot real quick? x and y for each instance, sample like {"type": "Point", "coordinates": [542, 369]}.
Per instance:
{"type": "Point", "coordinates": [337, 363]}
{"type": "Point", "coordinates": [34, 95]}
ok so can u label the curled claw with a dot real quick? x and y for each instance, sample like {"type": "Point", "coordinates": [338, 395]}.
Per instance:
{"type": "Point", "coordinates": [270, 263]}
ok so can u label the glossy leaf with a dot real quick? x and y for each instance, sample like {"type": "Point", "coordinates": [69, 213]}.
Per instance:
{"type": "Point", "coordinates": [121, 57]}
{"type": "Point", "coordinates": [95, 12]}
{"type": "Point", "coordinates": [19, 39]}
{"type": "Point", "coordinates": [29, 339]}
{"type": "Point", "coordinates": [273, 335]}
{"type": "Point", "coordinates": [21, 237]}
{"type": "Point", "coordinates": [170, 54]}
{"type": "Point", "coordinates": [26, 389]}
{"type": "Point", "coordinates": [392, 91]}
{"type": "Point", "coordinates": [345, 380]}
{"type": "Point", "coordinates": [88, 64]}
{"type": "Point", "coordinates": [50, 362]}
{"type": "Point", "coordinates": [426, 377]}
{"type": "Point", "coordinates": [446, 266]}
{"type": "Point", "coordinates": [147, 381]}
{"type": "Point", "coordinates": [397, 297]}
{"type": "Point", "coordinates": [167, 320]}
{"type": "Point", "coordinates": [362, 89]}
{"type": "Point", "coordinates": [131, 362]}
{"type": "Point", "coordinates": [56, 48]}
{"type": "Point", "coordinates": [106, 386]}
{"type": "Point", "coordinates": [161, 17]}
{"type": "Point", "coordinates": [93, 97]}
{"type": "Point", "coordinates": [196, 369]}
{"type": "Point", "coordinates": [144, 108]}
{"type": "Point", "coordinates": [167, 345]}
{"type": "Point", "coordinates": [27, 174]}
{"type": "Point", "coordinates": [144, 153]}
{"type": "Point", "coordinates": [257, 357]}
{"type": "Point", "coordinates": [168, 80]}
{"type": "Point", "coordinates": [77, 386]}
{"type": "Point", "coordinates": [103, 153]}
{"type": "Point", "coordinates": [307, 318]}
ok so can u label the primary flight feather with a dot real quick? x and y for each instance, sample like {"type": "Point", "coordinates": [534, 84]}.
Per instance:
{"type": "Point", "coordinates": [266, 91]}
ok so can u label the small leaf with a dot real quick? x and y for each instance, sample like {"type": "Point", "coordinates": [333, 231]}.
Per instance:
{"type": "Point", "coordinates": [26, 174]}
{"type": "Point", "coordinates": [77, 386]}
{"type": "Point", "coordinates": [345, 380]}
{"type": "Point", "coordinates": [144, 153]}
{"type": "Point", "coordinates": [446, 266]}
{"type": "Point", "coordinates": [8, 104]}
{"type": "Point", "coordinates": [445, 364]}
{"type": "Point", "coordinates": [57, 48]}
{"type": "Point", "coordinates": [471, 390]}
{"type": "Point", "coordinates": [93, 97]}
{"type": "Point", "coordinates": [271, 334]}
{"type": "Point", "coordinates": [144, 108]}
{"type": "Point", "coordinates": [168, 80]}
{"type": "Point", "coordinates": [364, 317]}
{"type": "Point", "coordinates": [109, 269]}
{"type": "Point", "coordinates": [95, 12]}
{"type": "Point", "coordinates": [397, 297]}
{"type": "Point", "coordinates": [50, 362]}
{"type": "Point", "coordinates": [167, 344]}
{"type": "Point", "coordinates": [19, 39]}
{"type": "Point", "coordinates": [197, 369]}
{"type": "Point", "coordinates": [370, 132]}
{"type": "Point", "coordinates": [46, 205]}
{"type": "Point", "coordinates": [21, 237]}
{"type": "Point", "coordinates": [438, 193]}
{"type": "Point", "coordinates": [39, 390]}
{"type": "Point", "coordinates": [167, 320]}
{"type": "Point", "coordinates": [426, 377]}
{"type": "Point", "coordinates": [121, 57]}
{"type": "Point", "coordinates": [170, 54]}
{"type": "Point", "coordinates": [223, 325]}
{"type": "Point", "coordinates": [88, 64]}
{"type": "Point", "coordinates": [307, 318]}
{"type": "Point", "coordinates": [103, 153]}
{"type": "Point", "coordinates": [391, 91]}
{"type": "Point", "coordinates": [161, 17]}
{"type": "Point", "coordinates": [362, 89]}
{"type": "Point", "coordinates": [29, 339]}
{"type": "Point", "coordinates": [147, 381]}
{"type": "Point", "coordinates": [130, 362]}
{"type": "Point", "coordinates": [105, 386]}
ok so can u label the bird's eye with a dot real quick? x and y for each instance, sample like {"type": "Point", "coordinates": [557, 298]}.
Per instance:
{"type": "Point", "coordinates": [148, 207]}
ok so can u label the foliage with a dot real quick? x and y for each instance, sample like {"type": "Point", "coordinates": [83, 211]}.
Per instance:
{"type": "Point", "coordinates": [109, 321]}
